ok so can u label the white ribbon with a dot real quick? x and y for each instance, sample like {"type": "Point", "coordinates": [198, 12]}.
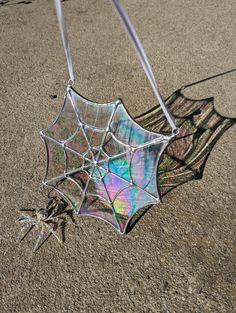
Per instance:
{"type": "Point", "coordinates": [64, 37]}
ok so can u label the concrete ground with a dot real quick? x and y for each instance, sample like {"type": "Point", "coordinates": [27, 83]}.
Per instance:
{"type": "Point", "coordinates": [181, 256]}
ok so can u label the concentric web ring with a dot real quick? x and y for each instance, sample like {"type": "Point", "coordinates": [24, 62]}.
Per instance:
{"type": "Point", "coordinates": [103, 162]}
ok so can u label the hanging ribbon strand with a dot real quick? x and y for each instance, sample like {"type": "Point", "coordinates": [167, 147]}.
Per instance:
{"type": "Point", "coordinates": [64, 37]}
{"type": "Point", "coordinates": [129, 28]}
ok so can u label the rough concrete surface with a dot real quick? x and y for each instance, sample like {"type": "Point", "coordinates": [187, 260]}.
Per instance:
{"type": "Point", "coordinates": [180, 257]}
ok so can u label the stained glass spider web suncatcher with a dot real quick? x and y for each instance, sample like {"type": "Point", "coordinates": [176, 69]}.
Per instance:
{"type": "Point", "coordinates": [101, 161]}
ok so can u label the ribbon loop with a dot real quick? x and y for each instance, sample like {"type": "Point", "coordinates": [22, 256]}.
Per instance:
{"type": "Point", "coordinates": [136, 43]}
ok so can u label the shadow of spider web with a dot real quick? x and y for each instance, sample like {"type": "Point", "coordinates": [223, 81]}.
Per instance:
{"type": "Point", "coordinates": [201, 126]}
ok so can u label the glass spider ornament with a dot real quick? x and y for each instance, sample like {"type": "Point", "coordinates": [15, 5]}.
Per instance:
{"type": "Point", "coordinates": [46, 225]}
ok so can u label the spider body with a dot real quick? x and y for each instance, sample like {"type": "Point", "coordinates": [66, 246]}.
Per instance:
{"type": "Point", "coordinates": [45, 221]}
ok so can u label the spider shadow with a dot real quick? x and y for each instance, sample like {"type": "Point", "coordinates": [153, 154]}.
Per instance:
{"type": "Point", "coordinates": [58, 206]}
{"type": "Point", "coordinates": [200, 125]}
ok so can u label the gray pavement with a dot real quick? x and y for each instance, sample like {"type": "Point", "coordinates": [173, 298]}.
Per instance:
{"type": "Point", "coordinates": [180, 258]}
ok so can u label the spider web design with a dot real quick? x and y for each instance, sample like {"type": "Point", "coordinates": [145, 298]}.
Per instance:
{"type": "Point", "coordinates": [101, 160]}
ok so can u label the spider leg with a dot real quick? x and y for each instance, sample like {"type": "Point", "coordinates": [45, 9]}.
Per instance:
{"type": "Point", "coordinates": [25, 219]}
{"type": "Point", "coordinates": [70, 213]}
{"type": "Point", "coordinates": [62, 228]}
{"type": "Point", "coordinates": [55, 235]}
{"type": "Point", "coordinates": [51, 231]}
{"type": "Point", "coordinates": [40, 240]}
{"type": "Point", "coordinates": [55, 220]}
{"type": "Point", "coordinates": [27, 210]}
{"type": "Point", "coordinates": [24, 231]}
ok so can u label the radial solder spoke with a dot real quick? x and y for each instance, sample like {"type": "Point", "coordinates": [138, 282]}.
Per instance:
{"type": "Point", "coordinates": [111, 203]}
